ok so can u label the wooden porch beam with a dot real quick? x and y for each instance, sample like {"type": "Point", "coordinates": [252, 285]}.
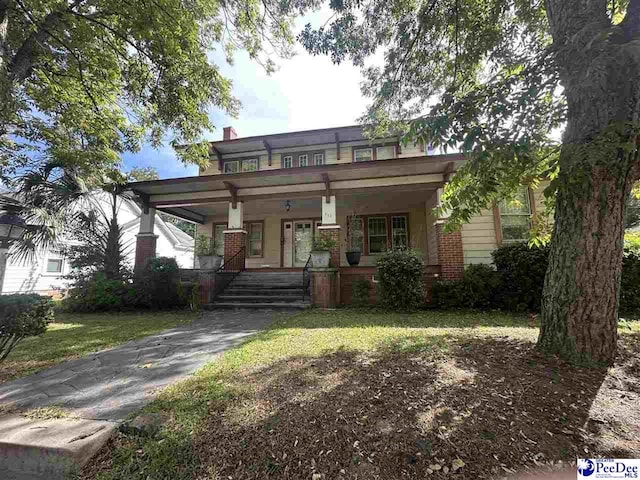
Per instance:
{"type": "Point", "coordinates": [338, 146]}
{"type": "Point", "coordinates": [219, 155]}
{"type": "Point", "coordinates": [233, 190]}
{"type": "Point", "coordinates": [327, 187]}
{"type": "Point", "coordinates": [268, 148]}
{"type": "Point", "coordinates": [449, 170]}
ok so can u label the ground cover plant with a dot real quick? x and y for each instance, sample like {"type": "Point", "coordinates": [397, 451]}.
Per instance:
{"type": "Point", "coordinates": [76, 334]}
{"type": "Point", "coordinates": [366, 395]}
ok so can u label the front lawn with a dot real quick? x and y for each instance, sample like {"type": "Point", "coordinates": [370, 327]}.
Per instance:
{"type": "Point", "coordinates": [76, 334]}
{"type": "Point", "coordinates": [347, 395]}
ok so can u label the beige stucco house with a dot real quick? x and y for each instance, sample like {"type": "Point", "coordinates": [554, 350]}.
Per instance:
{"type": "Point", "coordinates": [264, 198]}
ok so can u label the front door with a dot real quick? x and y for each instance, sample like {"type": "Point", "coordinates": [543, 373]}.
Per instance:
{"type": "Point", "coordinates": [303, 242]}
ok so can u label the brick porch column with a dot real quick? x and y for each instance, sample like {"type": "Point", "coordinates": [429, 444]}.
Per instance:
{"type": "Point", "coordinates": [330, 228]}
{"type": "Point", "coordinates": [146, 239]}
{"type": "Point", "coordinates": [325, 287]}
{"type": "Point", "coordinates": [235, 236]}
{"type": "Point", "coordinates": [450, 254]}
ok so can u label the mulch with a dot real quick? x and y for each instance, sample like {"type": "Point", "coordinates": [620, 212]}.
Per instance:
{"type": "Point", "coordinates": [489, 408]}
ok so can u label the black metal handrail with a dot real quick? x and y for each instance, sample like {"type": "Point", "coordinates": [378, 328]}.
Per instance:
{"type": "Point", "coordinates": [306, 278]}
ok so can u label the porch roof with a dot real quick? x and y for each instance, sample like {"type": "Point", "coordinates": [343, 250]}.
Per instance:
{"type": "Point", "coordinates": [182, 196]}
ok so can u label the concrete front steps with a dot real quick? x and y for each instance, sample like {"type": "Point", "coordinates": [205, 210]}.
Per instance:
{"type": "Point", "coordinates": [263, 290]}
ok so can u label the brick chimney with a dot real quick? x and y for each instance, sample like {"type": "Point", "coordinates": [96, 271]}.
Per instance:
{"type": "Point", "coordinates": [229, 134]}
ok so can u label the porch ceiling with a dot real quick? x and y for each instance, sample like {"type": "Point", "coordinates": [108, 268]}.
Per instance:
{"type": "Point", "coordinates": [191, 197]}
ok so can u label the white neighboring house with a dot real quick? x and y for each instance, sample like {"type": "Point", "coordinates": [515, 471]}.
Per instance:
{"type": "Point", "coordinates": [45, 271]}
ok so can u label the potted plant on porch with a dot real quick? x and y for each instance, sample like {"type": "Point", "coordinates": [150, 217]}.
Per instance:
{"type": "Point", "coordinates": [321, 252]}
{"type": "Point", "coordinates": [353, 239]}
{"type": "Point", "coordinates": [206, 252]}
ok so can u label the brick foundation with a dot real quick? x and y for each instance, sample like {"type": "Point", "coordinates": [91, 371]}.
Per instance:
{"type": "Point", "coordinates": [325, 287]}
{"type": "Point", "coordinates": [145, 249]}
{"type": "Point", "coordinates": [234, 240]}
{"type": "Point", "coordinates": [333, 233]}
{"type": "Point", "coordinates": [450, 255]}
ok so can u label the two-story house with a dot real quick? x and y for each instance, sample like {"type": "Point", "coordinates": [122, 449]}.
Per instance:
{"type": "Point", "coordinates": [265, 198]}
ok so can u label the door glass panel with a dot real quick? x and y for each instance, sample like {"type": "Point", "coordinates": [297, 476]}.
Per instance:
{"type": "Point", "coordinates": [303, 241]}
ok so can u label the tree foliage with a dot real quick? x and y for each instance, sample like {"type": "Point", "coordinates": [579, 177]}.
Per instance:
{"type": "Point", "coordinates": [83, 81]}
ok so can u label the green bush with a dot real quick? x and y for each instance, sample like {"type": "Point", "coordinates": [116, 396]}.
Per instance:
{"type": "Point", "coordinates": [360, 292]}
{"type": "Point", "coordinates": [479, 288]}
{"type": "Point", "coordinates": [158, 284]}
{"type": "Point", "coordinates": [94, 292]}
{"type": "Point", "coordinates": [630, 282]}
{"type": "Point", "coordinates": [22, 316]}
{"type": "Point", "coordinates": [401, 275]}
{"type": "Point", "coordinates": [522, 269]}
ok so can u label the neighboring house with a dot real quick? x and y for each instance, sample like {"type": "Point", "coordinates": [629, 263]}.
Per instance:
{"type": "Point", "coordinates": [45, 271]}
{"type": "Point", "coordinates": [273, 193]}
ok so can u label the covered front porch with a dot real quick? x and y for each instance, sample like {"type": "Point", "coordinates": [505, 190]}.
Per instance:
{"type": "Point", "coordinates": [266, 221]}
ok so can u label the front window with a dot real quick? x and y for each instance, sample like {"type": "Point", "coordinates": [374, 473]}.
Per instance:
{"type": "Point", "coordinates": [254, 232]}
{"type": "Point", "coordinates": [399, 232]}
{"type": "Point", "coordinates": [219, 235]}
{"type": "Point", "coordinates": [363, 154]}
{"type": "Point", "coordinates": [515, 217]}
{"type": "Point", "coordinates": [377, 234]}
{"type": "Point", "coordinates": [287, 161]}
{"type": "Point", "coordinates": [318, 158]}
{"type": "Point", "coordinates": [385, 153]}
{"type": "Point", "coordinates": [232, 167]}
{"type": "Point", "coordinates": [250, 165]}
{"type": "Point", "coordinates": [303, 160]}
{"type": "Point", "coordinates": [55, 263]}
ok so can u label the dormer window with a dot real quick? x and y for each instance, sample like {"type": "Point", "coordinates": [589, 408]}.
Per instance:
{"type": "Point", "coordinates": [250, 165]}
{"type": "Point", "coordinates": [363, 154]}
{"type": "Point", "coordinates": [232, 166]}
{"type": "Point", "coordinates": [237, 166]}
{"type": "Point", "coordinates": [303, 160]}
{"type": "Point", "coordinates": [287, 161]}
{"type": "Point", "coordinates": [386, 152]}
{"type": "Point", "coordinates": [318, 158]}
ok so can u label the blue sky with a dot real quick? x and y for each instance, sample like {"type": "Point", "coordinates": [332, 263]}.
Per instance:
{"type": "Point", "coordinates": [305, 92]}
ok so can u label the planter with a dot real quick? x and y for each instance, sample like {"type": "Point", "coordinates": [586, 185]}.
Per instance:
{"type": "Point", "coordinates": [353, 258]}
{"type": "Point", "coordinates": [320, 258]}
{"type": "Point", "coordinates": [209, 262]}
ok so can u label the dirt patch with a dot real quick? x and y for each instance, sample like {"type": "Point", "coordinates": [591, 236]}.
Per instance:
{"type": "Point", "coordinates": [494, 407]}
{"type": "Point", "coordinates": [491, 408]}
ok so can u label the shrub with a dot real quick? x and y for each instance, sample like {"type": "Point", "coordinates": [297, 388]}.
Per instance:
{"type": "Point", "coordinates": [93, 291]}
{"type": "Point", "coordinates": [479, 288]}
{"type": "Point", "coordinates": [630, 282]}
{"type": "Point", "coordinates": [158, 284]}
{"type": "Point", "coordinates": [522, 269]}
{"type": "Point", "coordinates": [401, 274]}
{"type": "Point", "coordinates": [360, 292]}
{"type": "Point", "coordinates": [22, 316]}
{"type": "Point", "coordinates": [324, 244]}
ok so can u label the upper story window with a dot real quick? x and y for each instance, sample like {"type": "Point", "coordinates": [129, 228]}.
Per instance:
{"type": "Point", "coordinates": [318, 158]}
{"type": "Point", "coordinates": [245, 165]}
{"type": "Point", "coordinates": [232, 166]}
{"type": "Point", "coordinates": [287, 161]}
{"type": "Point", "coordinates": [515, 217]}
{"type": "Point", "coordinates": [303, 160]}
{"type": "Point", "coordinates": [55, 263]}
{"type": "Point", "coordinates": [386, 152]}
{"type": "Point", "coordinates": [362, 154]}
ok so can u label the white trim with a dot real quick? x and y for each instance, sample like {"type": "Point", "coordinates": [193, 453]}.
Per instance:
{"type": "Point", "coordinates": [235, 230]}
{"type": "Point", "coordinates": [328, 227]}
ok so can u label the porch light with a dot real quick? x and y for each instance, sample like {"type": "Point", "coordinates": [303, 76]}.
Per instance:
{"type": "Point", "coordinates": [12, 228]}
{"type": "Point", "coordinates": [287, 206]}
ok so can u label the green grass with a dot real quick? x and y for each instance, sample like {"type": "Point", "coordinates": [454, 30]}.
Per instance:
{"type": "Point", "coordinates": [76, 334]}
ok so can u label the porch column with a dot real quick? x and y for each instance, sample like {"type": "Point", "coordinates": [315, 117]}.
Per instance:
{"type": "Point", "coordinates": [235, 236]}
{"type": "Point", "coordinates": [450, 253]}
{"type": "Point", "coordinates": [330, 227]}
{"type": "Point", "coordinates": [146, 239]}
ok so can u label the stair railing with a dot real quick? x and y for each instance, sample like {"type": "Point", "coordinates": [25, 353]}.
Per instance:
{"type": "Point", "coordinates": [234, 266]}
{"type": "Point", "coordinates": [306, 278]}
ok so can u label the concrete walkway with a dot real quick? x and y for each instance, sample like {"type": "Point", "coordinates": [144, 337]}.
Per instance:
{"type": "Point", "coordinates": [105, 387]}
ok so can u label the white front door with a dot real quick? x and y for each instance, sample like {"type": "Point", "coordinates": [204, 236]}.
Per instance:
{"type": "Point", "coordinates": [303, 242]}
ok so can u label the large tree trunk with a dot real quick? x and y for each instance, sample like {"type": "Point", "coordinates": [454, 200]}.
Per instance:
{"type": "Point", "coordinates": [598, 165]}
